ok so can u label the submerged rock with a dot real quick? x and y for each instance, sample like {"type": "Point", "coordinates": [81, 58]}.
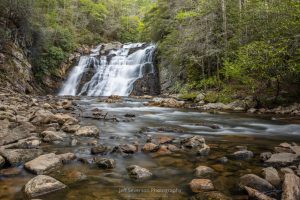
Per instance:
{"type": "Point", "coordinates": [105, 163]}
{"type": "Point", "coordinates": [150, 147]}
{"type": "Point", "coordinates": [9, 172]}
{"type": "Point", "coordinates": [291, 187]}
{"type": "Point", "coordinates": [139, 173]}
{"type": "Point", "coordinates": [202, 171]}
{"type": "Point", "coordinates": [213, 195]}
{"type": "Point", "coordinates": [44, 164]}
{"type": "Point", "coordinates": [100, 149]}
{"type": "Point", "coordinates": [243, 155]}
{"type": "Point", "coordinates": [201, 185]}
{"type": "Point", "coordinates": [41, 185]}
{"type": "Point", "coordinates": [255, 182]}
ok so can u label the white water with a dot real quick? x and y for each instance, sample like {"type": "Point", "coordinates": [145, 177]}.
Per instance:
{"type": "Point", "coordinates": [111, 78]}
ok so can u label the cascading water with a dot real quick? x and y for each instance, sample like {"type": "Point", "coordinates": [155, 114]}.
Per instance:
{"type": "Point", "coordinates": [113, 74]}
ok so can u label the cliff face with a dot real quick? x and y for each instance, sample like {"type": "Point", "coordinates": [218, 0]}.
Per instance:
{"type": "Point", "coordinates": [16, 71]}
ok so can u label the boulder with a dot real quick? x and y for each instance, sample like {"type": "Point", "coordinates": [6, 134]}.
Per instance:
{"type": "Point", "coordinates": [51, 136]}
{"type": "Point", "coordinates": [8, 136]}
{"type": "Point", "coordinates": [128, 148]}
{"type": "Point", "coordinates": [165, 139]}
{"type": "Point", "coordinates": [41, 185]}
{"type": "Point", "coordinates": [71, 128]}
{"type": "Point", "coordinates": [201, 185]}
{"type": "Point", "coordinates": [200, 97]}
{"type": "Point", "coordinates": [67, 157]}
{"type": "Point", "coordinates": [282, 159]}
{"type": "Point", "coordinates": [100, 149]}
{"type": "Point", "coordinates": [204, 151]}
{"type": "Point", "coordinates": [202, 171]}
{"type": "Point", "coordinates": [163, 150]}
{"type": "Point", "coordinates": [193, 142]}
{"type": "Point", "coordinates": [105, 163]}
{"type": "Point", "coordinates": [61, 119]}
{"type": "Point", "coordinates": [254, 194]}
{"type": "Point", "coordinates": [44, 164]}
{"type": "Point", "coordinates": [291, 187]}
{"type": "Point", "coordinates": [287, 170]}
{"type": "Point", "coordinates": [243, 155]}
{"type": "Point", "coordinates": [150, 147]}
{"type": "Point", "coordinates": [43, 117]}
{"type": "Point", "coordinates": [255, 182]}
{"type": "Point", "coordinates": [138, 173]}
{"type": "Point", "coordinates": [272, 176]}
{"type": "Point", "coordinates": [88, 131]}
{"type": "Point", "coordinates": [16, 157]}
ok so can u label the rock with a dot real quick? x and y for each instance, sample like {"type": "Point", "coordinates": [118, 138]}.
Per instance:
{"type": "Point", "coordinates": [173, 148]}
{"type": "Point", "coordinates": [16, 157]}
{"type": "Point", "coordinates": [150, 147]}
{"type": "Point", "coordinates": [165, 139]}
{"type": "Point", "coordinates": [8, 136]}
{"type": "Point", "coordinates": [163, 150]}
{"type": "Point", "coordinates": [200, 185]}
{"type": "Point", "coordinates": [105, 163]}
{"type": "Point", "coordinates": [192, 142]}
{"type": "Point", "coordinates": [2, 162]}
{"type": "Point", "coordinates": [272, 176]}
{"type": "Point", "coordinates": [74, 142]}
{"type": "Point", "coordinates": [252, 110]}
{"type": "Point", "coordinates": [282, 159]}
{"type": "Point", "coordinates": [51, 136]}
{"type": "Point", "coordinates": [129, 115]}
{"type": "Point", "coordinates": [100, 149]}
{"type": "Point", "coordinates": [88, 131]}
{"type": "Point", "coordinates": [223, 160]}
{"type": "Point", "coordinates": [41, 185]}
{"type": "Point", "coordinates": [139, 173]}
{"type": "Point", "coordinates": [241, 148]}
{"type": "Point", "coordinates": [243, 155]}
{"type": "Point", "coordinates": [9, 172]}
{"type": "Point", "coordinates": [255, 182]}
{"type": "Point", "coordinates": [215, 106]}
{"type": "Point", "coordinates": [282, 150]}
{"type": "Point", "coordinates": [257, 195]}
{"type": "Point", "coordinates": [204, 151]}
{"type": "Point", "coordinates": [128, 148]}
{"type": "Point", "coordinates": [44, 164]}
{"type": "Point", "coordinates": [47, 106]}
{"type": "Point", "coordinates": [64, 118]}
{"type": "Point", "coordinates": [287, 170]}
{"type": "Point", "coordinates": [291, 187]}
{"type": "Point", "coordinates": [212, 195]}
{"type": "Point", "coordinates": [265, 156]}
{"type": "Point", "coordinates": [200, 97]}
{"type": "Point", "coordinates": [202, 171]}
{"type": "Point", "coordinates": [296, 150]}
{"type": "Point", "coordinates": [43, 117]}
{"type": "Point", "coordinates": [285, 145]}
{"type": "Point", "coordinates": [67, 157]}
{"type": "Point", "coordinates": [71, 128]}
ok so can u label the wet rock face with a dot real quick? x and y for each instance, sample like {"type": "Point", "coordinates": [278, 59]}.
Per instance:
{"type": "Point", "coordinates": [147, 85]}
{"type": "Point", "coordinates": [41, 185]}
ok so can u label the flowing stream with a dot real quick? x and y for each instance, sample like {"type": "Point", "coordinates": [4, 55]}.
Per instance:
{"type": "Point", "coordinates": [172, 172]}
{"type": "Point", "coordinates": [114, 74]}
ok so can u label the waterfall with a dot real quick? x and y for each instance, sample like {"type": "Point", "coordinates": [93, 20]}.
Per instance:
{"type": "Point", "coordinates": [112, 74]}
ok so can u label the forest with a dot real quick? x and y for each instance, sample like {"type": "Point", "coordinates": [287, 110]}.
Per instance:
{"type": "Point", "coordinates": [228, 48]}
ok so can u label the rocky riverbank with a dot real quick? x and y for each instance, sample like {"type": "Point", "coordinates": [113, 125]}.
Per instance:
{"type": "Point", "coordinates": [236, 106]}
{"type": "Point", "coordinates": [32, 127]}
